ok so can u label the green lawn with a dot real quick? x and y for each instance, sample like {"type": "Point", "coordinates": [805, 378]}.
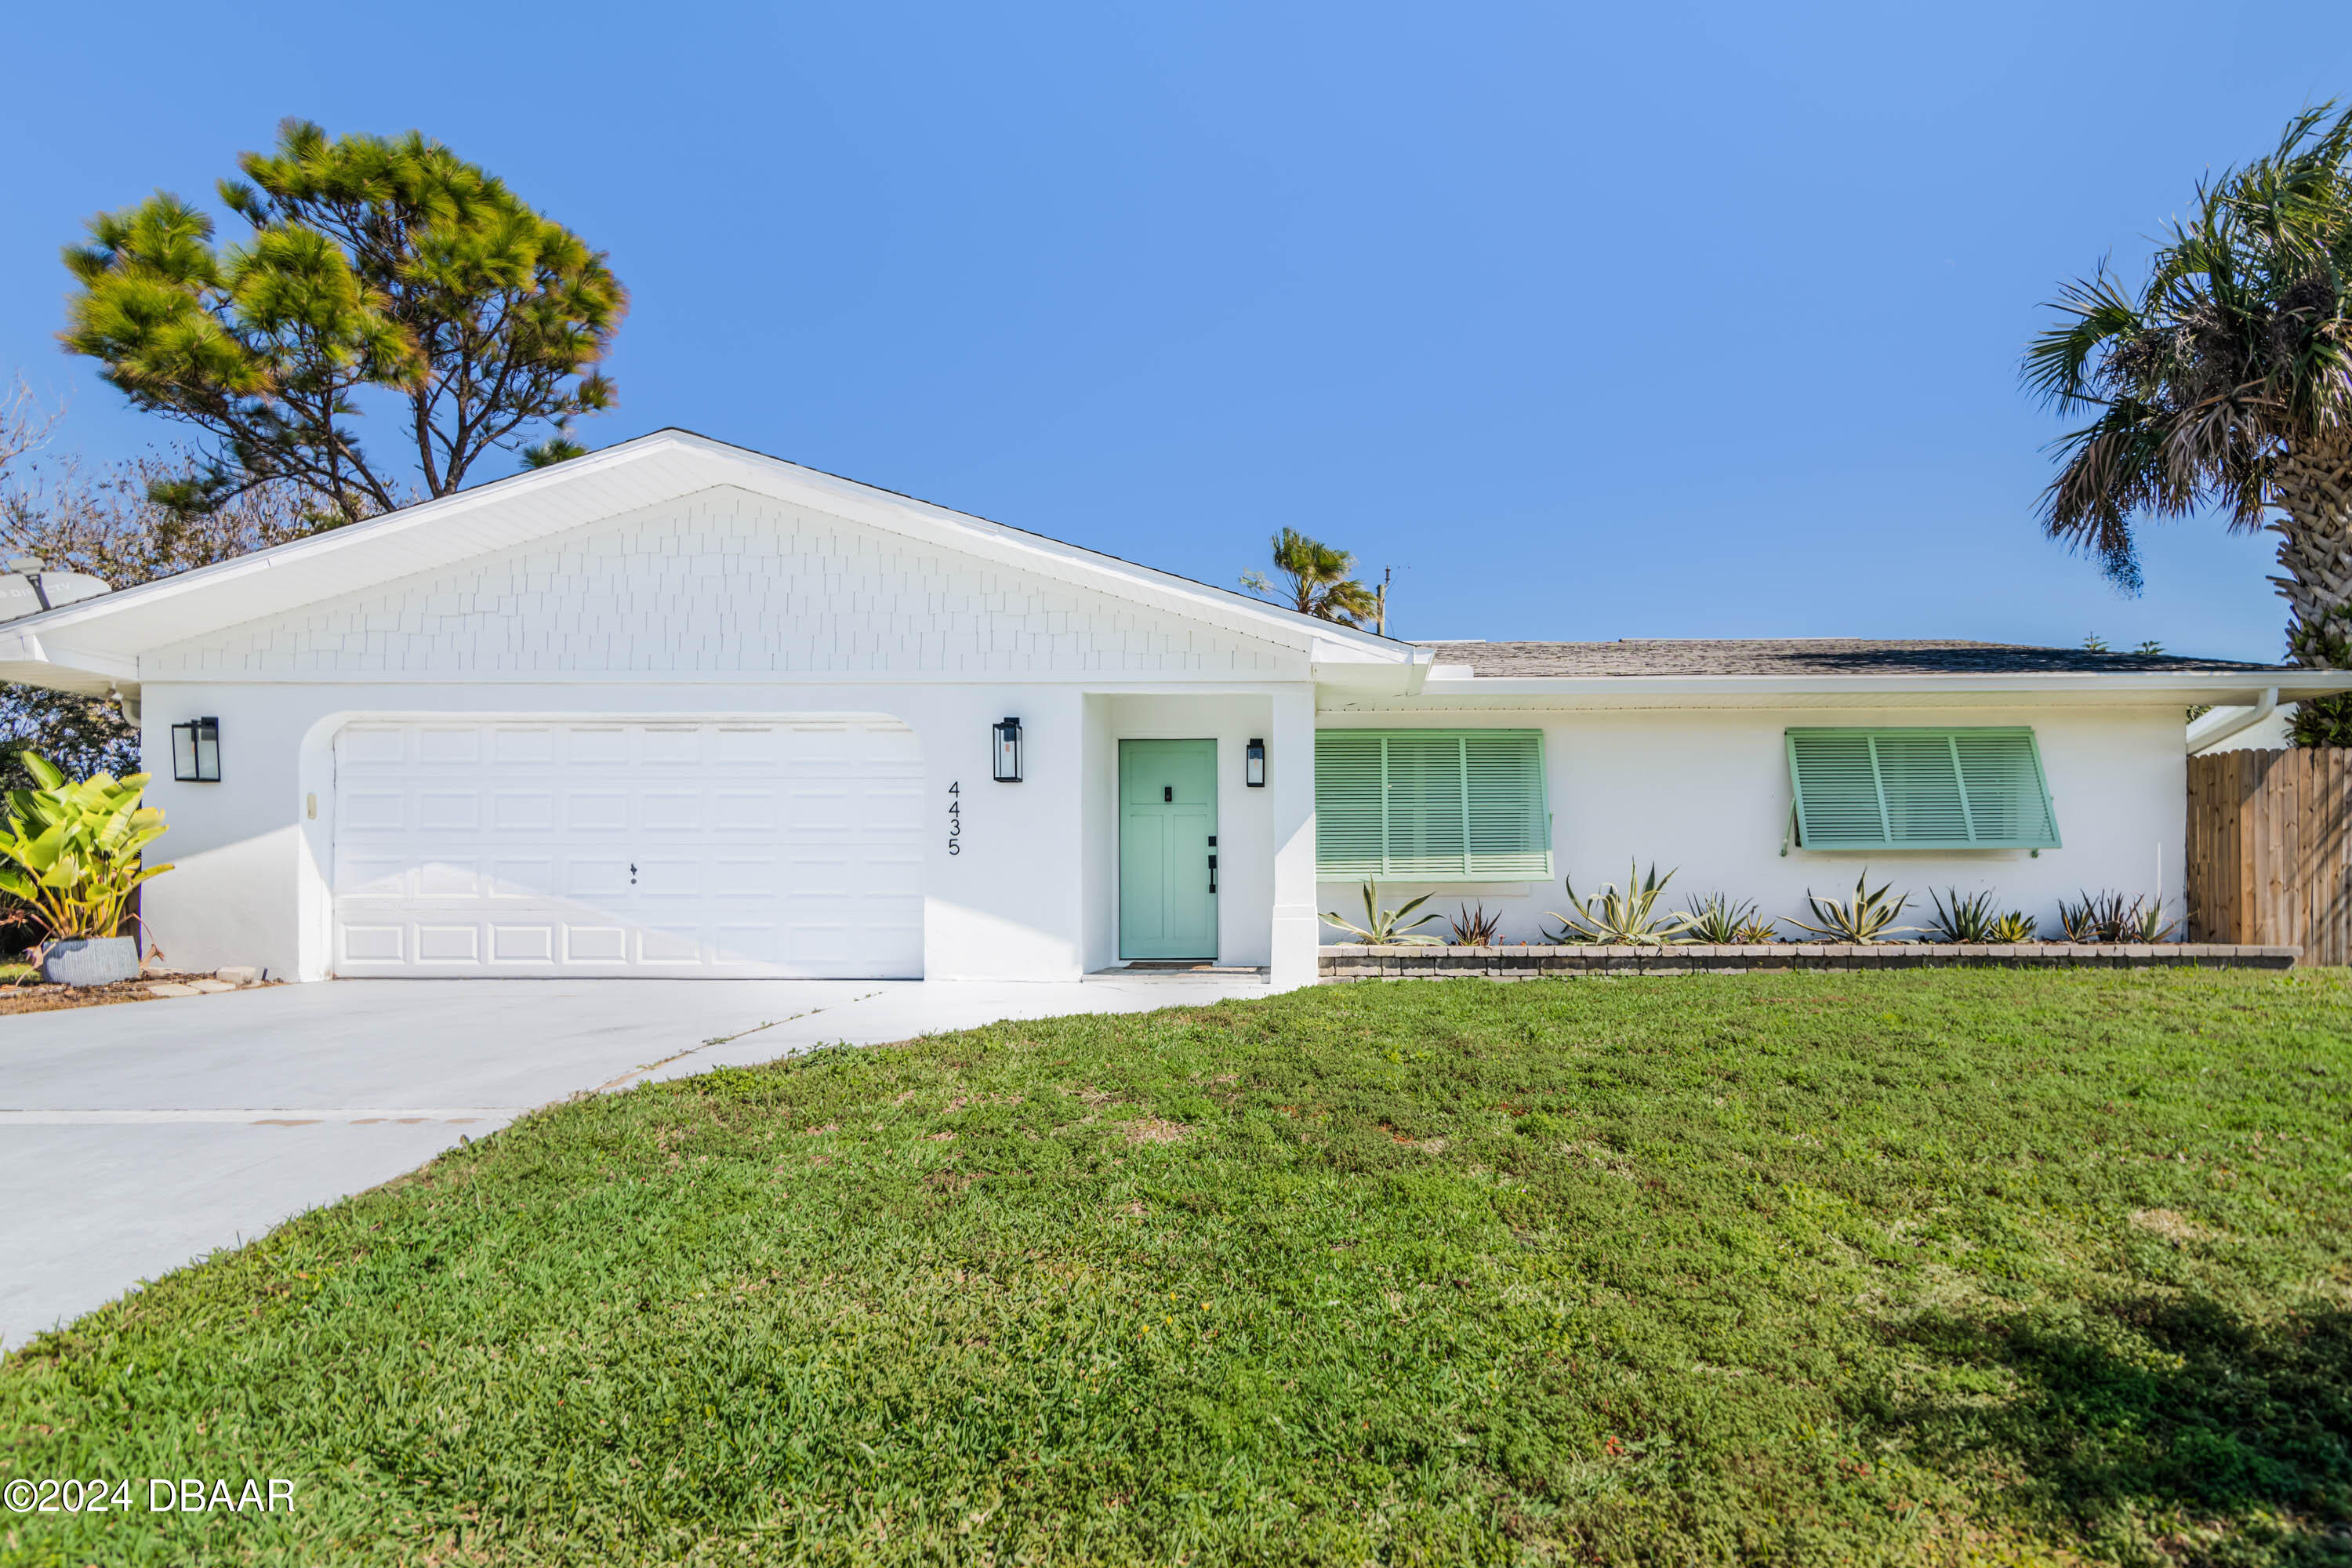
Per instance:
{"type": "Point", "coordinates": [1957, 1266]}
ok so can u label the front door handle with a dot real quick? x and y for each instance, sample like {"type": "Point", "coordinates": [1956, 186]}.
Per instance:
{"type": "Point", "coordinates": [1212, 873]}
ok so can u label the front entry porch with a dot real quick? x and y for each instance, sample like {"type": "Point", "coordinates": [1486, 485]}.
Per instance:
{"type": "Point", "coordinates": [1168, 785]}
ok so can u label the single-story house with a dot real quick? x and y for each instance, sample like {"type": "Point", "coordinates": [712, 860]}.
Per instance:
{"type": "Point", "coordinates": [679, 709]}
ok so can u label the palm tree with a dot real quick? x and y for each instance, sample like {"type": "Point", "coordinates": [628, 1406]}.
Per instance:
{"type": "Point", "coordinates": [1315, 580]}
{"type": "Point", "coordinates": [2226, 381]}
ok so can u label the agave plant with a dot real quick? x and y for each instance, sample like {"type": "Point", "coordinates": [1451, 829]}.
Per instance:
{"type": "Point", "coordinates": [2109, 916]}
{"type": "Point", "coordinates": [1721, 921]}
{"type": "Point", "coordinates": [1614, 917]}
{"type": "Point", "coordinates": [1387, 927]}
{"type": "Point", "coordinates": [1477, 928]}
{"type": "Point", "coordinates": [2015, 927]}
{"type": "Point", "coordinates": [1864, 918]}
{"type": "Point", "coordinates": [73, 851]}
{"type": "Point", "coordinates": [1969, 918]}
{"type": "Point", "coordinates": [2094, 917]}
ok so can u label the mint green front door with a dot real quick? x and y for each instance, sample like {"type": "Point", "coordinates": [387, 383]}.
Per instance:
{"type": "Point", "coordinates": [1167, 843]}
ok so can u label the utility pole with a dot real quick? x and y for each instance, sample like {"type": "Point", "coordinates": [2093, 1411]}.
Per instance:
{"type": "Point", "coordinates": [1381, 602]}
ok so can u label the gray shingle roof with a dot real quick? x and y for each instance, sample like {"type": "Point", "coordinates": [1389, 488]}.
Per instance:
{"type": "Point", "coordinates": [1808, 655]}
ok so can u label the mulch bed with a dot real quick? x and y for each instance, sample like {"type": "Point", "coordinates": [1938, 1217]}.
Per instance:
{"type": "Point", "coordinates": [35, 997]}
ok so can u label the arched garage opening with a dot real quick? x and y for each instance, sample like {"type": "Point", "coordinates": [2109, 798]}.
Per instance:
{"type": "Point", "coordinates": [768, 848]}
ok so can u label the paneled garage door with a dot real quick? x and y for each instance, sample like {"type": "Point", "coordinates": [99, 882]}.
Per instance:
{"type": "Point", "coordinates": [790, 849]}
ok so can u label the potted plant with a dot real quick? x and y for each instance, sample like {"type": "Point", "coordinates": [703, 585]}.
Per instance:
{"type": "Point", "coordinates": [71, 856]}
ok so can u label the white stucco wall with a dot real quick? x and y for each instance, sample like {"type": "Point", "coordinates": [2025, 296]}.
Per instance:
{"type": "Point", "coordinates": [1033, 892]}
{"type": "Point", "coordinates": [721, 605]}
{"type": "Point", "coordinates": [1704, 792]}
{"type": "Point", "coordinates": [249, 882]}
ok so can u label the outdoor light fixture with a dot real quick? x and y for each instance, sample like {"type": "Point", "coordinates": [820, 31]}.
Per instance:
{"type": "Point", "coordinates": [195, 752]}
{"type": "Point", "coordinates": [1254, 765]}
{"type": "Point", "coordinates": [1008, 750]}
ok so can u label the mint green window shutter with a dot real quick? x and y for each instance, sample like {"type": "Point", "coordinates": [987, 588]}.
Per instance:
{"type": "Point", "coordinates": [1919, 776]}
{"type": "Point", "coordinates": [1350, 831]}
{"type": "Point", "coordinates": [1920, 789]}
{"type": "Point", "coordinates": [2007, 792]}
{"type": "Point", "coordinates": [1427, 830]}
{"type": "Point", "coordinates": [1838, 803]}
{"type": "Point", "coordinates": [1509, 832]}
{"type": "Point", "coordinates": [1431, 805]}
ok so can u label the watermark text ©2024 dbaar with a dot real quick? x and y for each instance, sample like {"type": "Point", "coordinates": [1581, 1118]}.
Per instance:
{"type": "Point", "coordinates": [164, 1494]}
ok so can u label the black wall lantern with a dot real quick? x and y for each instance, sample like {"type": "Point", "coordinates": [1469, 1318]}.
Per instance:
{"type": "Point", "coordinates": [1008, 750]}
{"type": "Point", "coordinates": [1254, 765]}
{"type": "Point", "coordinates": [195, 752]}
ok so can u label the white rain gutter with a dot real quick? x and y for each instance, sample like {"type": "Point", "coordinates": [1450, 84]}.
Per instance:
{"type": "Point", "coordinates": [2212, 729]}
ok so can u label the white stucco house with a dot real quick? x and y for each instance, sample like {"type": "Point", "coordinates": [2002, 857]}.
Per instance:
{"type": "Point", "coordinates": [679, 709]}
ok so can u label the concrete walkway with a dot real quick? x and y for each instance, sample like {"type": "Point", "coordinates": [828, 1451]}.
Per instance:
{"type": "Point", "coordinates": [140, 1137]}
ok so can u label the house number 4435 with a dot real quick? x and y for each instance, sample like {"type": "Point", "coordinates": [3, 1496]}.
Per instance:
{"type": "Point", "coordinates": [955, 818]}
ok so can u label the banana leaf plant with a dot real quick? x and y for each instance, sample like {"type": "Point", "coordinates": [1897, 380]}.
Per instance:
{"type": "Point", "coordinates": [73, 851]}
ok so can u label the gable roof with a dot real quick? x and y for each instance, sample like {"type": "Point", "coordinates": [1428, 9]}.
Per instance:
{"type": "Point", "coordinates": [1830, 672]}
{"type": "Point", "coordinates": [94, 644]}
{"type": "Point", "coordinates": [1638, 656]}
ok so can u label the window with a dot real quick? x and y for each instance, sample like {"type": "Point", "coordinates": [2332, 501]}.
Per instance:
{"type": "Point", "coordinates": [1430, 805]}
{"type": "Point", "coordinates": [1920, 789]}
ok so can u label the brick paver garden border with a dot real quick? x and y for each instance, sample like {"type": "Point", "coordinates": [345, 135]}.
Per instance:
{"type": "Point", "coordinates": [1361, 963]}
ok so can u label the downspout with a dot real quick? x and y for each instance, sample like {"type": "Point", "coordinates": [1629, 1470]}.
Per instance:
{"type": "Point", "coordinates": [2243, 720]}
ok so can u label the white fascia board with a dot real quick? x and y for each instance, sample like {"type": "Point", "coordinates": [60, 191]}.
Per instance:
{"type": "Point", "coordinates": [514, 512]}
{"type": "Point", "coordinates": [1385, 655]}
{"type": "Point", "coordinates": [60, 676]}
{"type": "Point", "coordinates": [1341, 677]}
{"type": "Point", "coordinates": [357, 556]}
{"type": "Point", "coordinates": [782, 682]}
{"type": "Point", "coordinates": [30, 657]}
{"type": "Point", "coordinates": [2140, 688]}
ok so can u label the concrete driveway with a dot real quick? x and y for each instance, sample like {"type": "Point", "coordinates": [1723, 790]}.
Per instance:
{"type": "Point", "coordinates": [140, 1137]}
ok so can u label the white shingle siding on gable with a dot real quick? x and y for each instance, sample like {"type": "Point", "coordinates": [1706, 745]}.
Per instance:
{"type": "Point", "coordinates": [727, 581]}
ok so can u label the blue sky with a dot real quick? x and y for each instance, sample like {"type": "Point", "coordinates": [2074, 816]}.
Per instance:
{"type": "Point", "coordinates": [1674, 319]}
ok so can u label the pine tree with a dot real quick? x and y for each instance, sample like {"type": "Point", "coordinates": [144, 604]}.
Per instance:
{"type": "Point", "coordinates": [378, 269]}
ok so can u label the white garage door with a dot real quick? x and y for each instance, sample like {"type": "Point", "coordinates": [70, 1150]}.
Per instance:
{"type": "Point", "coordinates": [789, 850]}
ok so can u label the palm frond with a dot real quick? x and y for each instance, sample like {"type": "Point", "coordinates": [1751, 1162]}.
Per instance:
{"type": "Point", "coordinates": [2060, 362]}
{"type": "Point", "coordinates": [1315, 580]}
{"type": "Point", "coordinates": [2232, 354]}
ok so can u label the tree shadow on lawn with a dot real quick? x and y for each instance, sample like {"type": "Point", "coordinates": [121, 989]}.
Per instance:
{"type": "Point", "coordinates": [2122, 1420]}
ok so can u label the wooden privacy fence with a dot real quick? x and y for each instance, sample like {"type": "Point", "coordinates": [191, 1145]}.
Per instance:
{"type": "Point", "coordinates": [2270, 850]}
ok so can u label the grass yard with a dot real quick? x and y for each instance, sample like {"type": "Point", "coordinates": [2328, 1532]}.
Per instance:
{"type": "Point", "coordinates": [1960, 1266]}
